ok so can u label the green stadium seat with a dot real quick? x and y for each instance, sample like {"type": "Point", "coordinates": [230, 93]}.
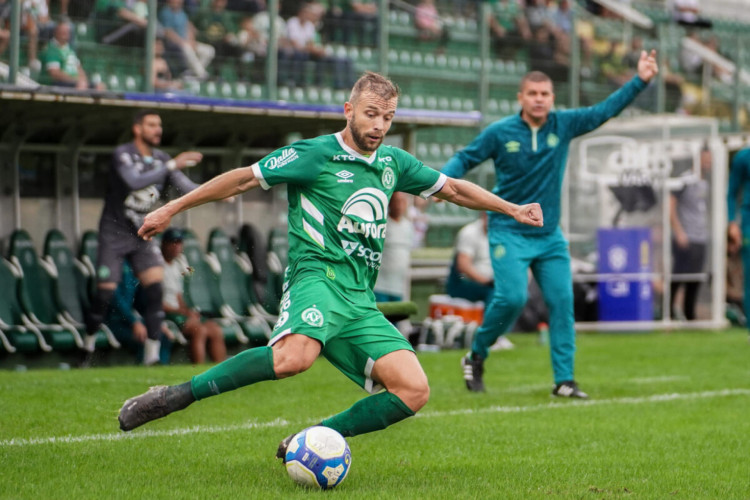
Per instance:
{"type": "Point", "coordinates": [71, 286]}
{"type": "Point", "coordinates": [278, 258]}
{"type": "Point", "coordinates": [202, 291]}
{"type": "Point", "coordinates": [37, 294]}
{"type": "Point", "coordinates": [17, 332]}
{"type": "Point", "coordinates": [234, 277]}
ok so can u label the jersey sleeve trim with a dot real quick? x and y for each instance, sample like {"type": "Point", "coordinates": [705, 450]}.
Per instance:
{"type": "Point", "coordinates": [259, 175]}
{"type": "Point", "coordinates": [435, 187]}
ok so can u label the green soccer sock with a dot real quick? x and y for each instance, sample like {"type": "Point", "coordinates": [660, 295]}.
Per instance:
{"type": "Point", "coordinates": [372, 413]}
{"type": "Point", "coordinates": [247, 367]}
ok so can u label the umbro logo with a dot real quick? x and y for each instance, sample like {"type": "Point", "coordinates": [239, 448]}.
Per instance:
{"type": "Point", "coordinates": [345, 176]}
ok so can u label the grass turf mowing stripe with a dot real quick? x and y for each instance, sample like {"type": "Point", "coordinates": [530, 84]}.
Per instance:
{"type": "Point", "coordinates": [656, 398]}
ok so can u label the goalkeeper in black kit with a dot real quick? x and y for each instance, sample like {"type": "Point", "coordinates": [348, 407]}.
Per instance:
{"type": "Point", "coordinates": [138, 177]}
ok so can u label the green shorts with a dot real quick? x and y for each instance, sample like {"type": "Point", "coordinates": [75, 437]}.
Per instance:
{"type": "Point", "coordinates": [354, 333]}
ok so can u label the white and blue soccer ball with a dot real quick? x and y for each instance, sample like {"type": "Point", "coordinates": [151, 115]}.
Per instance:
{"type": "Point", "coordinates": [318, 457]}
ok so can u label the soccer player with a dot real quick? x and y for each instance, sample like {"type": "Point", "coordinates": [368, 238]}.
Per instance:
{"type": "Point", "coordinates": [738, 239]}
{"type": "Point", "coordinates": [139, 175]}
{"type": "Point", "coordinates": [530, 151]}
{"type": "Point", "coordinates": [339, 186]}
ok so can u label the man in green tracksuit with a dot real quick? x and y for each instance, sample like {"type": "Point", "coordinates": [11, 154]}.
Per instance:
{"type": "Point", "coordinates": [530, 150]}
{"type": "Point", "coordinates": [739, 237]}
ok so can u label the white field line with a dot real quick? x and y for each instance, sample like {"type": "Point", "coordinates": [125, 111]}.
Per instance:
{"type": "Point", "coordinates": [199, 429]}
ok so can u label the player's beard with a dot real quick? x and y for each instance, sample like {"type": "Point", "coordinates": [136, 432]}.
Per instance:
{"type": "Point", "coordinates": [152, 141]}
{"type": "Point", "coordinates": [360, 139]}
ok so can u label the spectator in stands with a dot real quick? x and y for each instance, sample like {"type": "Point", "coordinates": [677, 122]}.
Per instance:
{"type": "Point", "coordinates": [37, 26]}
{"type": "Point", "coordinates": [180, 35]}
{"type": "Point", "coordinates": [688, 216]}
{"type": "Point", "coordinates": [614, 69]}
{"type": "Point", "coordinates": [506, 24]}
{"type": "Point", "coordinates": [470, 275]}
{"type": "Point", "coordinates": [126, 323]}
{"type": "Point", "coordinates": [290, 60]}
{"type": "Point", "coordinates": [162, 76]}
{"type": "Point", "coordinates": [421, 221]}
{"type": "Point", "coordinates": [216, 27]}
{"type": "Point", "coordinates": [139, 175]}
{"type": "Point", "coordinates": [304, 38]}
{"type": "Point", "coordinates": [395, 263]}
{"type": "Point", "coordinates": [360, 17]}
{"type": "Point", "coordinates": [118, 22]}
{"type": "Point", "coordinates": [61, 66]}
{"type": "Point", "coordinates": [429, 25]}
{"type": "Point", "coordinates": [199, 331]}
{"type": "Point", "coordinates": [687, 13]}
{"type": "Point", "coordinates": [5, 8]}
{"type": "Point", "coordinates": [546, 55]}
{"type": "Point", "coordinates": [529, 150]}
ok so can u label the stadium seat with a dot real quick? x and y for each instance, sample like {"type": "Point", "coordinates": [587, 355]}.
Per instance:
{"type": "Point", "coordinates": [37, 294]}
{"type": "Point", "coordinates": [234, 275]}
{"type": "Point", "coordinates": [71, 286]}
{"type": "Point", "coordinates": [202, 290]}
{"type": "Point", "coordinates": [278, 257]}
{"type": "Point", "coordinates": [17, 332]}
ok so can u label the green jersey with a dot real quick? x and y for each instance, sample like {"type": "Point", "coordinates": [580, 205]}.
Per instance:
{"type": "Point", "coordinates": [60, 57]}
{"type": "Point", "coordinates": [338, 204]}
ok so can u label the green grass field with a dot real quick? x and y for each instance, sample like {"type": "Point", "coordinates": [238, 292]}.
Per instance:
{"type": "Point", "coordinates": [669, 418]}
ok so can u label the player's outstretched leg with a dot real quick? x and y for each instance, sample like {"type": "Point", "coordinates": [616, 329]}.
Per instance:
{"type": "Point", "coordinates": [247, 367]}
{"type": "Point", "coordinates": [407, 391]}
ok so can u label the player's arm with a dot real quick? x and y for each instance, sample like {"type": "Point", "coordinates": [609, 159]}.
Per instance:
{"type": "Point", "coordinates": [470, 195]}
{"type": "Point", "coordinates": [584, 120]}
{"type": "Point", "coordinates": [677, 230]}
{"type": "Point", "coordinates": [228, 184]}
{"type": "Point", "coordinates": [465, 266]}
{"type": "Point", "coordinates": [481, 148]}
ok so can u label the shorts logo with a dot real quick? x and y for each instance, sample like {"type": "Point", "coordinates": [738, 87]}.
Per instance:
{"type": "Point", "coordinates": [312, 317]}
{"type": "Point", "coordinates": [287, 156]}
{"type": "Point", "coordinates": [330, 273]}
{"type": "Point", "coordinates": [103, 272]}
{"type": "Point", "coordinates": [388, 179]}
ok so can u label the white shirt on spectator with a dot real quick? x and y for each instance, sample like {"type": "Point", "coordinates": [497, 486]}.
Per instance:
{"type": "Point", "coordinates": [396, 259]}
{"type": "Point", "coordinates": [173, 283]}
{"type": "Point", "coordinates": [472, 240]}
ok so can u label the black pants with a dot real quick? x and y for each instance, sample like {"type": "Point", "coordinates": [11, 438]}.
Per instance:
{"type": "Point", "coordinates": [687, 260]}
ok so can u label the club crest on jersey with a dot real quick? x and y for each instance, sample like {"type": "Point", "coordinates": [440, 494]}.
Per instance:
{"type": "Point", "coordinates": [388, 178]}
{"type": "Point", "coordinates": [312, 317]}
{"type": "Point", "coordinates": [345, 176]}
{"type": "Point", "coordinates": [286, 157]}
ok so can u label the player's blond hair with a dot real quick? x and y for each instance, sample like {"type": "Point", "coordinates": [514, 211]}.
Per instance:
{"type": "Point", "coordinates": [375, 83]}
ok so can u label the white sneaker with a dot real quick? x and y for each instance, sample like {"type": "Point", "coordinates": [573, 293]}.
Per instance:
{"type": "Point", "coordinates": [502, 344]}
{"type": "Point", "coordinates": [151, 350]}
{"type": "Point", "coordinates": [89, 343]}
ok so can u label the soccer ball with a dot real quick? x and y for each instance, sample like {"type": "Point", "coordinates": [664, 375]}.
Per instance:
{"type": "Point", "coordinates": [318, 457]}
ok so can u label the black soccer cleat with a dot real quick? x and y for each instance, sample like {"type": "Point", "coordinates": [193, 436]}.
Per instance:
{"type": "Point", "coordinates": [473, 367]}
{"type": "Point", "coordinates": [569, 389]}
{"type": "Point", "coordinates": [283, 445]}
{"type": "Point", "coordinates": [159, 401]}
